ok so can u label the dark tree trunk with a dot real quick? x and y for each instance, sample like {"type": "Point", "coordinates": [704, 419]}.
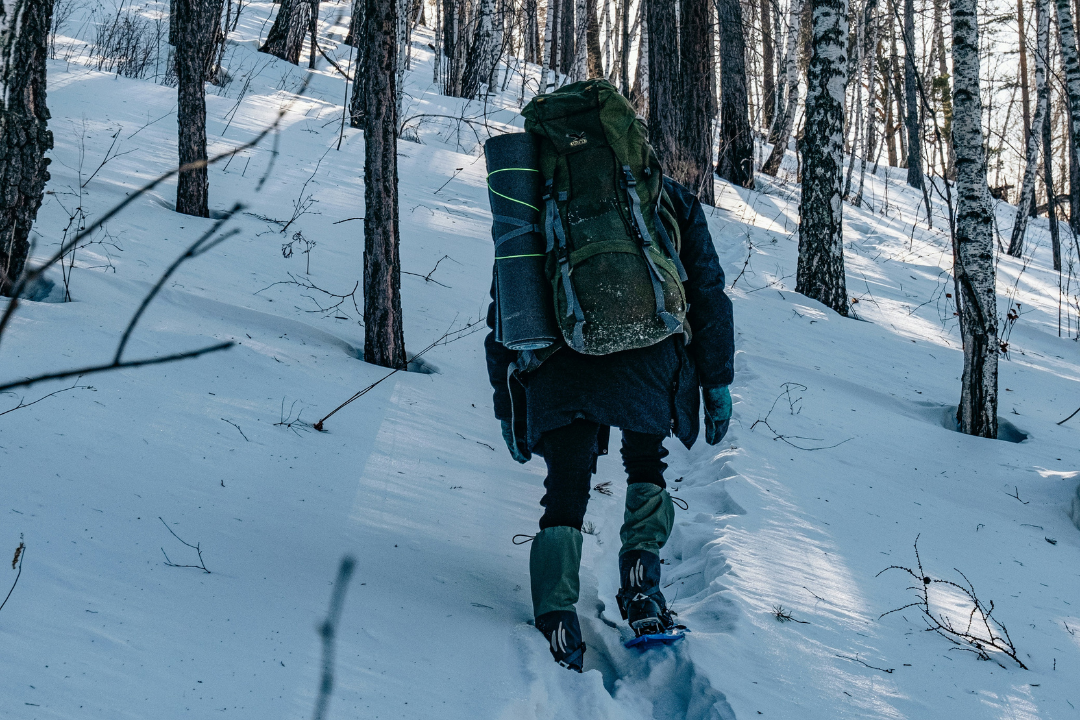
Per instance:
{"type": "Point", "coordinates": [663, 90]}
{"type": "Point", "coordinates": [196, 20]}
{"type": "Point", "coordinates": [479, 63]}
{"type": "Point", "coordinates": [359, 91]}
{"type": "Point", "coordinates": [820, 273]}
{"type": "Point", "coordinates": [567, 28]}
{"type": "Point", "coordinates": [592, 39]}
{"type": "Point", "coordinates": [286, 38]}
{"type": "Point", "coordinates": [624, 50]}
{"type": "Point", "coordinates": [735, 160]}
{"type": "Point", "coordinates": [384, 338]}
{"type": "Point", "coordinates": [24, 133]}
{"type": "Point", "coordinates": [768, 61]}
{"type": "Point", "coordinates": [973, 239]}
{"type": "Point", "coordinates": [1048, 180]}
{"type": "Point", "coordinates": [691, 164]}
{"type": "Point", "coordinates": [452, 47]}
{"type": "Point", "coordinates": [911, 96]}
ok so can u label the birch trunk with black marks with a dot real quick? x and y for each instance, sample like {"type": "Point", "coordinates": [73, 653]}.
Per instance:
{"type": "Point", "coordinates": [1025, 95]}
{"type": "Point", "coordinates": [286, 38]}
{"type": "Point", "coordinates": [663, 90]}
{"type": "Point", "coordinates": [871, 97]}
{"type": "Point", "coordinates": [384, 338]}
{"type": "Point", "coordinates": [24, 133]}
{"type": "Point", "coordinates": [856, 137]}
{"type": "Point", "coordinates": [195, 22]}
{"type": "Point", "coordinates": [785, 122]}
{"type": "Point", "coordinates": [1031, 169]}
{"type": "Point", "coordinates": [1071, 65]}
{"type": "Point", "coordinates": [478, 63]}
{"type": "Point", "coordinates": [911, 97]}
{"type": "Point", "coordinates": [820, 272]}
{"type": "Point", "coordinates": [1048, 181]}
{"type": "Point", "coordinates": [735, 157]}
{"type": "Point", "coordinates": [974, 234]}
{"type": "Point", "coordinates": [549, 36]}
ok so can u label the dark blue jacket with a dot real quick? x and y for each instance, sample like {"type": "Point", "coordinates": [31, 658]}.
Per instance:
{"type": "Point", "coordinates": [650, 390]}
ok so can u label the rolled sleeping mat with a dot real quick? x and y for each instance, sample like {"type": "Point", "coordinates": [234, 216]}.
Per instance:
{"type": "Point", "coordinates": [525, 310]}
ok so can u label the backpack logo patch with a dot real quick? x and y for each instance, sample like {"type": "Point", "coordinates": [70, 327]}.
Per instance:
{"type": "Point", "coordinates": [577, 139]}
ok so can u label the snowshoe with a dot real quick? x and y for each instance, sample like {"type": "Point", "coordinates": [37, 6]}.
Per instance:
{"type": "Point", "coordinates": [642, 604]}
{"type": "Point", "coordinates": [563, 632]}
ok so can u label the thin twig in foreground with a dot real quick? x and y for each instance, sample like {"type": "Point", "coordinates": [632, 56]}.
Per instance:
{"type": "Point", "coordinates": [196, 548]}
{"type": "Point", "coordinates": [20, 553]}
{"type": "Point", "coordinates": [21, 405]}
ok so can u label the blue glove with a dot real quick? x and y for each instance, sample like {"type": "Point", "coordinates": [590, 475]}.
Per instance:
{"type": "Point", "coordinates": [717, 413]}
{"type": "Point", "coordinates": [518, 448]}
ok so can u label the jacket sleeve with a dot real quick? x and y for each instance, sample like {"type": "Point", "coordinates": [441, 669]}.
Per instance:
{"type": "Point", "coordinates": [710, 315]}
{"type": "Point", "coordinates": [499, 359]}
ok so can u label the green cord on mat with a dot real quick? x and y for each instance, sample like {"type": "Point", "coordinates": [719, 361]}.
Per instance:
{"type": "Point", "coordinates": [507, 196]}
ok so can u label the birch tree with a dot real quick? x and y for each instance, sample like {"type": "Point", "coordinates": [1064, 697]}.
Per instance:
{"type": "Point", "coordinates": [768, 62]}
{"type": "Point", "coordinates": [820, 272]}
{"type": "Point", "coordinates": [24, 133]}
{"type": "Point", "coordinates": [1071, 65]}
{"type": "Point", "coordinates": [483, 55]}
{"type": "Point", "coordinates": [785, 120]}
{"type": "Point", "coordinates": [974, 233]}
{"type": "Point", "coordinates": [1031, 169]}
{"type": "Point", "coordinates": [548, 59]}
{"type": "Point", "coordinates": [579, 70]}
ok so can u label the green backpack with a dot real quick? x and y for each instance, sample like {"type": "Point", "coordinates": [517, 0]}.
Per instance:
{"type": "Point", "coordinates": [611, 259]}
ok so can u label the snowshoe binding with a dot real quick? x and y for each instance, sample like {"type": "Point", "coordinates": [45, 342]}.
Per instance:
{"type": "Point", "coordinates": [563, 632]}
{"type": "Point", "coordinates": [642, 604]}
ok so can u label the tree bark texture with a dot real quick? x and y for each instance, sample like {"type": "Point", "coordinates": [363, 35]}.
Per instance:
{"type": "Point", "coordinates": [768, 62]}
{"type": "Point", "coordinates": [567, 33]}
{"type": "Point", "coordinates": [384, 338]}
{"type": "Point", "coordinates": [359, 90]}
{"type": "Point", "coordinates": [663, 80]}
{"type": "Point", "coordinates": [1048, 181]}
{"type": "Point", "coordinates": [911, 96]}
{"type": "Point", "coordinates": [286, 38]}
{"type": "Point", "coordinates": [592, 40]}
{"type": "Point", "coordinates": [1071, 65]}
{"type": "Point", "coordinates": [974, 235]}
{"type": "Point", "coordinates": [691, 162]}
{"type": "Point", "coordinates": [24, 133]}
{"type": "Point", "coordinates": [820, 272]}
{"type": "Point", "coordinates": [1031, 169]}
{"type": "Point", "coordinates": [478, 63]}
{"type": "Point", "coordinates": [785, 123]}
{"type": "Point", "coordinates": [195, 22]}
{"type": "Point", "coordinates": [1025, 98]}
{"type": "Point", "coordinates": [735, 160]}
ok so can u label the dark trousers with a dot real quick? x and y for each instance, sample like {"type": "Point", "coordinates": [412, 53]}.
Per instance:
{"type": "Point", "coordinates": [570, 453]}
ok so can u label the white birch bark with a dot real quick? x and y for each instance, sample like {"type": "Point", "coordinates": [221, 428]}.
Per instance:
{"type": "Point", "coordinates": [820, 272]}
{"type": "Point", "coordinates": [973, 238]}
{"type": "Point", "coordinates": [1031, 169]}
{"type": "Point", "coordinates": [549, 30]}
{"type": "Point", "coordinates": [791, 91]}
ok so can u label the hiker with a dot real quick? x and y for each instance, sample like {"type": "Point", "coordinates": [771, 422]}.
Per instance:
{"type": "Point", "coordinates": [560, 402]}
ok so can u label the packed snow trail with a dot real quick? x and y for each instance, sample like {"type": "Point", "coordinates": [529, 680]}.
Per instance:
{"type": "Point", "coordinates": [852, 458]}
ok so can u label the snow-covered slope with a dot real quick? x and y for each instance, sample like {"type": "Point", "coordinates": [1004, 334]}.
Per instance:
{"type": "Point", "coordinates": [839, 456]}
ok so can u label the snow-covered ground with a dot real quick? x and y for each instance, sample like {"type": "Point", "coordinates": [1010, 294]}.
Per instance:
{"type": "Point", "coordinates": [854, 458]}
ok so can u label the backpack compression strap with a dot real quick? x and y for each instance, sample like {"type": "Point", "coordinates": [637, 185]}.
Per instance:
{"type": "Point", "coordinates": [670, 320]}
{"type": "Point", "coordinates": [556, 241]}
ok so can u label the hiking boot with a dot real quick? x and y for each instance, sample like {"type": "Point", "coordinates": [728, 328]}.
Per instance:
{"type": "Point", "coordinates": [563, 632]}
{"type": "Point", "coordinates": [640, 601]}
